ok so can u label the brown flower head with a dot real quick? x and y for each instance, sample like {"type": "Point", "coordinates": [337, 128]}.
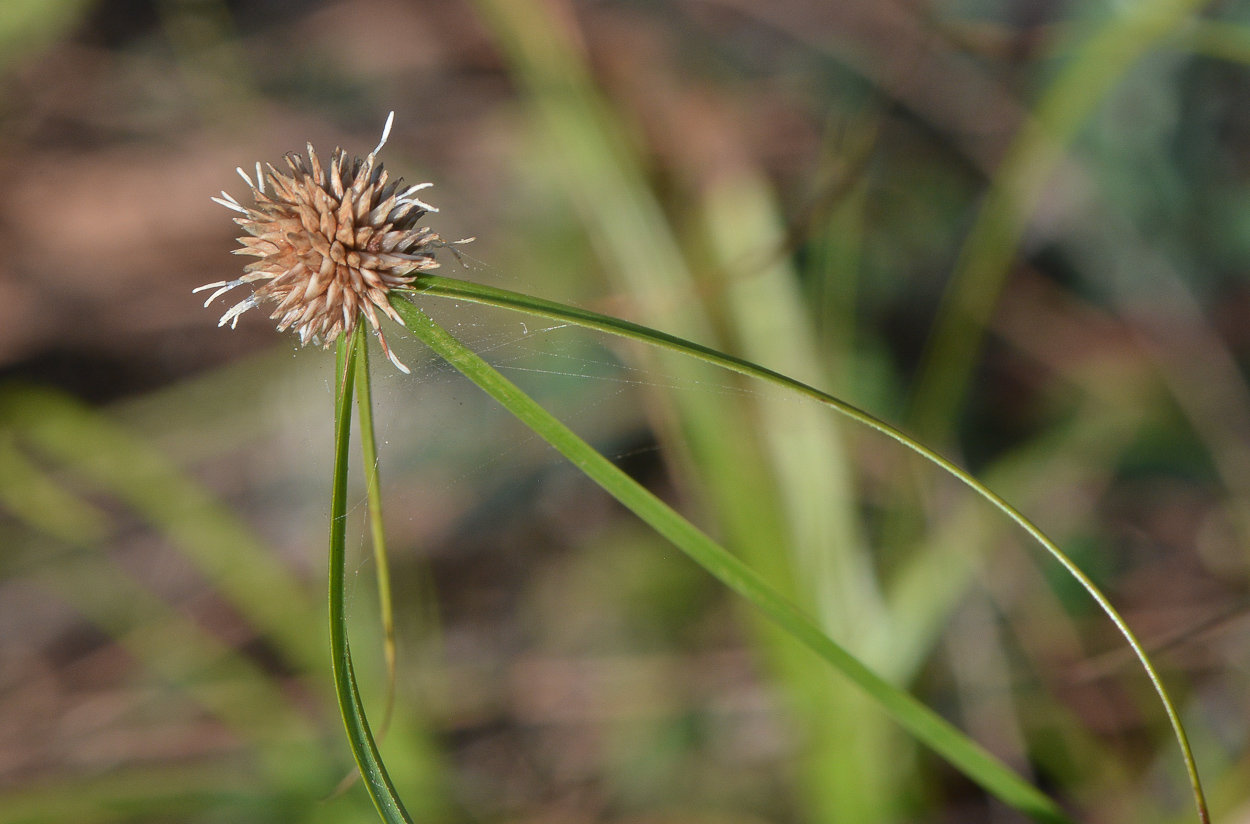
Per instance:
{"type": "Point", "coordinates": [333, 241]}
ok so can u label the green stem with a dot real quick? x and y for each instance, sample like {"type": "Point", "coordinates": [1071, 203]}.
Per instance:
{"type": "Point", "coordinates": [359, 736]}
{"type": "Point", "coordinates": [475, 293]}
{"type": "Point", "coordinates": [930, 728]}
{"type": "Point", "coordinates": [373, 487]}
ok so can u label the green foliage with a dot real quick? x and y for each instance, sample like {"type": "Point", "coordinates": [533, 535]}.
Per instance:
{"type": "Point", "coordinates": [364, 748]}
{"type": "Point", "coordinates": [857, 565]}
{"type": "Point", "coordinates": [921, 722]}
{"type": "Point", "coordinates": [28, 25]}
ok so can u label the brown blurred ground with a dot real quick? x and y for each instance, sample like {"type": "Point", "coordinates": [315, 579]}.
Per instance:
{"type": "Point", "coordinates": [112, 140]}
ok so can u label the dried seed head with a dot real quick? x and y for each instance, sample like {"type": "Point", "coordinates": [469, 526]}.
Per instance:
{"type": "Point", "coordinates": [332, 240]}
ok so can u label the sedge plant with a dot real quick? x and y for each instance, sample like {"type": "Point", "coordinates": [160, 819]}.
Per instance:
{"type": "Point", "coordinates": [339, 245]}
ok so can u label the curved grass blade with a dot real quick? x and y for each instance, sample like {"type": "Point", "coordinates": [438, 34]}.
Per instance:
{"type": "Point", "coordinates": [491, 296]}
{"type": "Point", "coordinates": [377, 532]}
{"type": "Point", "coordinates": [359, 736]}
{"type": "Point", "coordinates": [1018, 184]}
{"type": "Point", "coordinates": [923, 723]}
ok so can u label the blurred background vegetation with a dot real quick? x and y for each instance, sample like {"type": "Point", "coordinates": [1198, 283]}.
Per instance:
{"type": "Point", "coordinates": [1020, 229]}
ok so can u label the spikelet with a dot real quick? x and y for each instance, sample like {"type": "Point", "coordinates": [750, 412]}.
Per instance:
{"type": "Point", "coordinates": [332, 240]}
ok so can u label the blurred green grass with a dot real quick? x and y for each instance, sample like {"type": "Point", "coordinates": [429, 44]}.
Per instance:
{"type": "Point", "coordinates": [638, 161]}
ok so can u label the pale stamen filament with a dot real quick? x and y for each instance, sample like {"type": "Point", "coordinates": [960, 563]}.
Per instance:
{"type": "Point", "coordinates": [226, 286]}
{"type": "Point", "coordinates": [232, 317]}
{"type": "Point", "coordinates": [229, 204]}
{"type": "Point", "coordinates": [386, 132]}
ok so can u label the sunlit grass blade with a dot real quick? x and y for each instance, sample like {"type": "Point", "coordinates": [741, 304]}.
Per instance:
{"type": "Point", "coordinates": [744, 473]}
{"type": "Point", "coordinates": [165, 642]}
{"type": "Point", "coordinates": [120, 464]}
{"type": "Point", "coordinates": [806, 448]}
{"type": "Point", "coordinates": [360, 737]}
{"type": "Point", "coordinates": [1018, 184]}
{"type": "Point", "coordinates": [491, 296]}
{"type": "Point", "coordinates": [149, 793]}
{"type": "Point", "coordinates": [1217, 39]}
{"type": "Point", "coordinates": [229, 685]}
{"type": "Point", "coordinates": [849, 770]}
{"type": "Point", "coordinates": [377, 531]}
{"type": "Point", "coordinates": [30, 495]}
{"type": "Point", "coordinates": [28, 25]}
{"type": "Point", "coordinates": [922, 722]}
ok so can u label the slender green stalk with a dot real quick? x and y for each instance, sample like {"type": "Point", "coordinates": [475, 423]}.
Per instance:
{"type": "Point", "coordinates": [475, 293]}
{"type": "Point", "coordinates": [923, 723]}
{"type": "Point", "coordinates": [359, 736]}
{"type": "Point", "coordinates": [373, 487]}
